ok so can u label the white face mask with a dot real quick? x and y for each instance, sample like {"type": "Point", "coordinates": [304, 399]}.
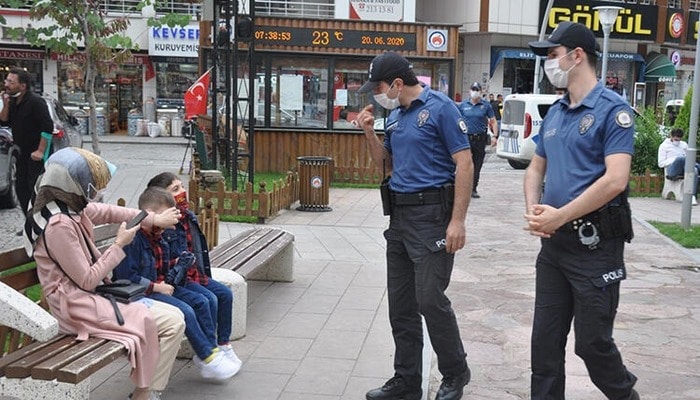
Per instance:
{"type": "Point", "coordinates": [557, 76]}
{"type": "Point", "coordinates": [474, 94]}
{"type": "Point", "coordinates": [676, 142]}
{"type": "Point", "coordinates": [383, 99]}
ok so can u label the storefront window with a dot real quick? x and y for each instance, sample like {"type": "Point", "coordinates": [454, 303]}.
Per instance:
{"type": "Point", "coordinates": [318, 92]}
{"type": "Point", "coordinates": [116, 93]}
{"type": "Point", "coordinates": [299, 92]}
{"type": "Point", "coordinates": [175, 75]}
{"type": "Point", "coordinates": [31, 66]}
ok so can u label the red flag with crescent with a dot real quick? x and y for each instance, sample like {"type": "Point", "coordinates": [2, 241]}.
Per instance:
{"type": "Point", "coordinates": [196, 96]}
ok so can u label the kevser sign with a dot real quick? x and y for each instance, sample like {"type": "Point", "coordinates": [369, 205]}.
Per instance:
{"type": "Point", "coordinates": [638, 22]}
{"type": "Point", "coordinates": [178, 41]}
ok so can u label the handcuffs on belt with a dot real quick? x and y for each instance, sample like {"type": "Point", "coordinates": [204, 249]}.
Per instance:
{"type": "Point", "coordinates": [588, 235]}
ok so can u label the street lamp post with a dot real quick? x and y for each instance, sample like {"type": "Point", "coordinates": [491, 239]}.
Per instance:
{"type": "Point", "coordinates": [607, 16]}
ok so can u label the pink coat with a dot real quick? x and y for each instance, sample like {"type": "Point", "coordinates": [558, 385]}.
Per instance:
{"type": "Point", "coordinates": [86, 314]}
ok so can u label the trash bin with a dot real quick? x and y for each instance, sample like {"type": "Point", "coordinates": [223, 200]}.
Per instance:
{"type": "Point", "coordinates": [314, 181]}
{"type": "Point", "coordinates": [82, 118]}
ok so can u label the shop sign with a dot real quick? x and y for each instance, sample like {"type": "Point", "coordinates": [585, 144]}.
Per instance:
{"type": "Point", "coordinates": [377, 10]}
{"type": "Point", "coordinates": [693, 26]}
{"type": "Point", "coordinates": [178, 41]}
{"type": "Point", "coordinates": [634, 21]}
{"type": "Point", "coordinates": [22, 54]}
{"type": "Point", "coordinates": [675, 25]}
{"type": "Point", "coordinates": [437, 40]}
{"type": "Point", "coordinates": [135, 59]}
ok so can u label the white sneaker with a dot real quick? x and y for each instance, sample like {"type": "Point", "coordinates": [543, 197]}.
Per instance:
{"type": "Point", "coordinates": [230, 354]}
{"type": "Point", "coordinates": [219, 369]}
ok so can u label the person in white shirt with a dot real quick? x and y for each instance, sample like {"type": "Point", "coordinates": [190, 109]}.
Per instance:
{"type": "Point", "coordinates": [671, 157]}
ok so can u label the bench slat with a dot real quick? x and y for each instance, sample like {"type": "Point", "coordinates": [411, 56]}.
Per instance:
{"type": "Point", "coordinates": [14, 257]}
{"type": "Point", "coordinates": [94, 360]}
{"type": "Point", "coordinates": [270, 250]}
{"type": "Point", "coordinates": [46, 369]}
{"type": "Point", "coordinates": [18, 364]}
{"type": "Point", "coordinates": [223, 252]}
{"type": "Point", "coordinates": [241, 255]}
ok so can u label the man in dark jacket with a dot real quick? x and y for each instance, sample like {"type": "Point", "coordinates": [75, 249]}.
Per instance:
{"type": "Point", "coordinates": [28, 116]}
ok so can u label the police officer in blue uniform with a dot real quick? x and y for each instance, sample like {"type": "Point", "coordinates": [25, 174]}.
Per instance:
{"type": "Point", "coordinates": [479, 116]}
{"type": "Point", "coordinates": [426, 151]}
{"type": "Point", "coordinates": [583, 219]}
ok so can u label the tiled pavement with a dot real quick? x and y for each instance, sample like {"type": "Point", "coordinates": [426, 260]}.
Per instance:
{"type": "Point", "coordinates": [326, 335]}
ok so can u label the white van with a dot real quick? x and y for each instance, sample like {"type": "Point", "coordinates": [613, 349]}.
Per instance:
{"type": "Point", "coordinates": [520, 126]}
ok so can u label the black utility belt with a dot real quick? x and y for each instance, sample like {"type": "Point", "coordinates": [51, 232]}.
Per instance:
{"type": "Point", "coordinates": [416, 199]}
{"type": "Point", "coordinates": [478, 134]}
{"type": "Point", "coordinates": [608, 222]}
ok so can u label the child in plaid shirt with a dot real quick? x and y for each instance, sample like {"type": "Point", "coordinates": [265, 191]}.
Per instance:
{"type": "Point", "coordinates": [151, 260]}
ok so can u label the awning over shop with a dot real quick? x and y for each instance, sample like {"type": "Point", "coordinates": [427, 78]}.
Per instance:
{"type": "Point", "coordinates": [499, 53]}
{"type": "Point", "coordinates": [659, 68]}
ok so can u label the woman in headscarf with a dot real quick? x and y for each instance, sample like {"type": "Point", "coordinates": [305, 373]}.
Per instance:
{"type": "Point", "coordinates": [59, 234]}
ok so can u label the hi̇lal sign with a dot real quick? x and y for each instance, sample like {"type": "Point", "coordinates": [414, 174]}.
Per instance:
{"type": "Point", "coordinates": [633, 22]}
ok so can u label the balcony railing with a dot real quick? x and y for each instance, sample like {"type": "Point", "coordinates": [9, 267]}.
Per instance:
{"type": "Point", "coordinates": [295, 8]}
{"type": "Point", "coordinates": [128, 7]}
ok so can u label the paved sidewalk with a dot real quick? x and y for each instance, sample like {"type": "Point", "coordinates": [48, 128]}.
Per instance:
{"type": "Point", "coordinates": [326, 335]}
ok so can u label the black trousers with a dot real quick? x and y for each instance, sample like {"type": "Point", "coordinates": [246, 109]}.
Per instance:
{"type": "Point", "coordinates": [478, 147]}
{"type": "Point", "coordinates": [418, 273]}
{"type": "Point", "coordinates": [28, 171]}
{"type": "Point", "coordinates": [575, 282]}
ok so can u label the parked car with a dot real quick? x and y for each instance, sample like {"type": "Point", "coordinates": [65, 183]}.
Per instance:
{"type": "Point", "coordinates": [8, 170]}
{"type": "Point", "coordinates": [65, 134]}
{"type": "Point", "coordinates": [65, 126]}
{"type": "Point", "coordinates": [520, 127]}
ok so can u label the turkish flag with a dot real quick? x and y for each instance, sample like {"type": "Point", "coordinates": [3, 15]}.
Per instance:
{"type": "Point", "coordinates": [196, 96]}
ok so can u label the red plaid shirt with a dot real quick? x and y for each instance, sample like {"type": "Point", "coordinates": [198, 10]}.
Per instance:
{"type": "Point", "coordinates": [193, 274]}
{"type": "Point", "coordinates": [155, 240]}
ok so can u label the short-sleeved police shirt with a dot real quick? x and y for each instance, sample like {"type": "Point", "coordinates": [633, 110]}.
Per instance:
{"type": "Point", "coordinates": [476, 116]}
{"type": "Point", "coordinates": [575, 142]}
{"type": "Point", "coordinates": [421, 140]}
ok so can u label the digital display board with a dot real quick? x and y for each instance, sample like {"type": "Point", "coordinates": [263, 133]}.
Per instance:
{"type": "Point", "coordinates": [335, 38]}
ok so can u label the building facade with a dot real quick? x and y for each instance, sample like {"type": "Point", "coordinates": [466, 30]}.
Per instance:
{"type": "Point", "coordinates": [651, 47]}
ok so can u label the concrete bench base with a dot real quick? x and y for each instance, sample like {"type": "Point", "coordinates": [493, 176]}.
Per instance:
{"type": "Point", "coordinates": [32, 389]}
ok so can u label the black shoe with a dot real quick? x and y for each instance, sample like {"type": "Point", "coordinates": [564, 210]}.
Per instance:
{"type": "Point", "coordinates": [452, 387]}
{"type": "Point", "coordinates": [19, 233]}
{"type": "Point", "coordinates": [634, 395]}
{"type": "Point", "coordinates": [395, 388]}
{"type": "Point", "coordinates": [674, 177]}
{"type": "Point", "coordinates": [475, 195]}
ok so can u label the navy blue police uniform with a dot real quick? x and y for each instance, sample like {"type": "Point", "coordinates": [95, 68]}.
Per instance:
{"type": "Point", "coordinates": [580, 267]}
{"type": "Point", "coordinates": [421, 140]}
{"type": "Point", "coordinates": [477, 117]}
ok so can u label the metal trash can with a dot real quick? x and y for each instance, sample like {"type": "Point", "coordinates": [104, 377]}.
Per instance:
{"type": "Point", "coordinates": [314, 183]}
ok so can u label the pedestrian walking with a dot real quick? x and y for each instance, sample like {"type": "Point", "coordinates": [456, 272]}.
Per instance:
{"type": "Point", "coordinates": [426, 151]}
{"type": "Point", "coordinates": [28, 116]}
{"type": "Point", "coordinates": [479, 116]}
{"type": "Point", "coordinates": [583, 218]}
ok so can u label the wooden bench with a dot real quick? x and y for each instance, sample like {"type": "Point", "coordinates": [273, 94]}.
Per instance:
{"type": "Point", "coordinates": [37, 362]}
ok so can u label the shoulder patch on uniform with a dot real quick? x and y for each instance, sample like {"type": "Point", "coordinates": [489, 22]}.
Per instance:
{"type": "Point", "coordinates": [624, 119]}
{"type": "Point", "coordinates": [463, 126]}
{"type": "Point", "coordinates": [423, 116]}
{"type": "Point", "coordinates": [585, 124]}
